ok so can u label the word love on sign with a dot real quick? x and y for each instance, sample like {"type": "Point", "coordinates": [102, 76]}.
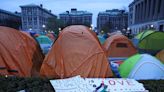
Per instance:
{"type": "Point", "coordinates": [115, 85]}
{"type": "Point", "coordinates": [113, 82]}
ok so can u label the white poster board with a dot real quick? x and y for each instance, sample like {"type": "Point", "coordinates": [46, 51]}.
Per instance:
{"type": "Point", "coordinates": [115, 85]}
{"type": "Point", "coordinates": [74, 84]}
{"type": "Point", "coordinates": [78, 84]}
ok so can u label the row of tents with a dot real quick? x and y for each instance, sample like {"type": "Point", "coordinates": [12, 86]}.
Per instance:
{"type": "Point", "coordinates": [77, 51]}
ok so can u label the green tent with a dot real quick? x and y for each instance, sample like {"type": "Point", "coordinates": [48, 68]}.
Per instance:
{"type": "Point", "coordinates": [150, 41]}
{"type": "Point", "coordinates": [142, 35]}
{"type": "Point", "coordinates": [128, 65]}
{"type": "Point", "coordinates": [142, 67]}
{"type": "Point", "coordinates": [44, 39]}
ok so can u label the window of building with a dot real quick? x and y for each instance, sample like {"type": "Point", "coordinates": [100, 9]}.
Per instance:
{"type": "Point", "coordinates": [35, 22]}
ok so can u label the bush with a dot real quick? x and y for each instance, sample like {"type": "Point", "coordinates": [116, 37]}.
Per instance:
{"type": "Point", "coordinates": [13, 84]}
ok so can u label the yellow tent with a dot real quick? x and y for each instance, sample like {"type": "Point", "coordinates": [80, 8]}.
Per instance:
{"type": "Point", "coordinates": [160, 56]}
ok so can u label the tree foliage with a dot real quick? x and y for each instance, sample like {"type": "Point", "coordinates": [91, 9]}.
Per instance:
{"type": "Point", "coordinates": [54, 24]}
{"type": "Point", "coordinates": [107, 27]}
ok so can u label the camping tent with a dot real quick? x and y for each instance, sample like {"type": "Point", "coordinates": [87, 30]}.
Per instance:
{"type": "Point", "coordinates": [142, 67]}
{"type": "Point", "coordinates": [149, 41]}
{"type": "Point", "coordinates": [76, 52]}
{"type": "Point", "coordinates": [160, 56]}
{"type": "Point", "coordinates": [45, 43]}
{"type": "Point", "coordinates": [119, 46]}
{"type": "Point", "coordinates": [51, 36]}
{"type": "Point", "coordinates": [101, 39]}
{"type": "Point", "coordinates": [19, 54]}
{"type": "Point", "coordinates": [42, 39]}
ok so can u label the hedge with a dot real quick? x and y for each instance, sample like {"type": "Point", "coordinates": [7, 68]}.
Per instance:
{"type": "Point", "coordinates": [13, 84]}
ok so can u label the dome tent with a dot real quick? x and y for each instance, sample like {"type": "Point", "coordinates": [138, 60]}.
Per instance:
{"type": "Point", "coordinates": [149, 41]}
{"type": "Point", "coordinates": [138, 67]}
{"type": "Point", "coordinates": [119, 46]}
{"type": "Point", "coordinates": [101, 39]}
{"type": "Point", "coordinates": [45, 43]}
{"type": "Point", "coordinates": [76, 52]}
{"type": "Point", "coordinates": [19, 54]}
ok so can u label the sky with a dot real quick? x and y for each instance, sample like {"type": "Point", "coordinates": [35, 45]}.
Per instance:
{"type": "Point", "coordinates": [60, 6]}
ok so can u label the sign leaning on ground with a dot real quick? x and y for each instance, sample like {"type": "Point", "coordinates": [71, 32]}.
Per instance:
{"type": "Point", "coordinates": [114, 85]}
{"type": "Point", "coordinates": [78, 84]}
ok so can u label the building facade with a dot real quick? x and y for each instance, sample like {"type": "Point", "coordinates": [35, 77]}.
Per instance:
{"type": "Point", "coordinates": [75, 17]}
{"type": "Point", "coordinates": [112, 20]}
{"type": "Point", "coordinates": [35, 17]}
{"type": "Point", "coordinates": [10, 19]}
{"type": "Point", "coordinates": [144, 14]}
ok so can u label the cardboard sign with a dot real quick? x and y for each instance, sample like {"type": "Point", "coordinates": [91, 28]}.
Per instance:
{"type": "Point", "coordinates": [78, 84]}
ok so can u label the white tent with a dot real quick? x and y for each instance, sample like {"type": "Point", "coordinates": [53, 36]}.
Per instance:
{"type": "Point", "coordinates": [147, 67]}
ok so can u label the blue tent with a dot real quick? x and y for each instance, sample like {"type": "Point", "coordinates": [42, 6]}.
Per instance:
{"type": "Point", "coordinates": [101, 39]}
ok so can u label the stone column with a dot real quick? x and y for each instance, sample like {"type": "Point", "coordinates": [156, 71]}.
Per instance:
{"type": "Point", "coordinates": [143, 11]}
{"type": "Point", "coordinates": [146, 10]}
{"type": "Point", "coordinates": [140, 12]}
{"type": "Point", "coordinates": [161, 9]}
{"type": "Point", "coordinates": [151, 10]}
{"type": "Point", "coordinates": [136, 13]}
{"type": "Point", "coordinates": [156, 9]}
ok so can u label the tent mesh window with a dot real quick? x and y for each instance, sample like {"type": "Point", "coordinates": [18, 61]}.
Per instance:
{"type": "Point", "coordinates": [121, 45]}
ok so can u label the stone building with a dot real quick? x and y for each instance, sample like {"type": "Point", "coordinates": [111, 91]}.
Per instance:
{"type": "Point", "coordinates": [10, 19]}
{"type": "Point", "coordinates": [113, 19]}
{"type": "Point", "coordinates": [144, 14]}
{"type": "Point", "coordinates": [75, 17]}
{"type": "Point", "coordinates": [34, 17]}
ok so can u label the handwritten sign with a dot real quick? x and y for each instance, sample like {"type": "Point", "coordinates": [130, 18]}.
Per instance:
{"type": "Point", "coordinates": [74, 84]}
{"type": "Point", "coordinates": [116, 85]}
{"type": "Point", "coordinates": [78, 84]}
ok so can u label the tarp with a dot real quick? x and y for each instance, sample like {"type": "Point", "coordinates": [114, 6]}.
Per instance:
{"type": "Point", "coordinates": [119, 46]}
{"type": "Point", "coordinates": [20, 55]}
{"type": "Point", "coordinates": [76, 52]}
{"type": "Point", "coordinates": [142, 67]}
{"type": "Point", "coordinates": [160, 56]}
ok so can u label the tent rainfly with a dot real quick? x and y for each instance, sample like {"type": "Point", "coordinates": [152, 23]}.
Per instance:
{"type": "Point", "coordinates": [76, 51]}
{"type": "Point", "coordinates": [20, 55]}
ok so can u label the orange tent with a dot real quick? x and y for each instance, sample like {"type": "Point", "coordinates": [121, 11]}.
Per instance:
{"type": "Point", "coordinates": [19, 53]}
{"type": "Point", "coordinates": [76, 52]}
{"type": "Point", "coordinates": [160, 56]}
{"type": "Point", "coordinates": [119, 46]}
